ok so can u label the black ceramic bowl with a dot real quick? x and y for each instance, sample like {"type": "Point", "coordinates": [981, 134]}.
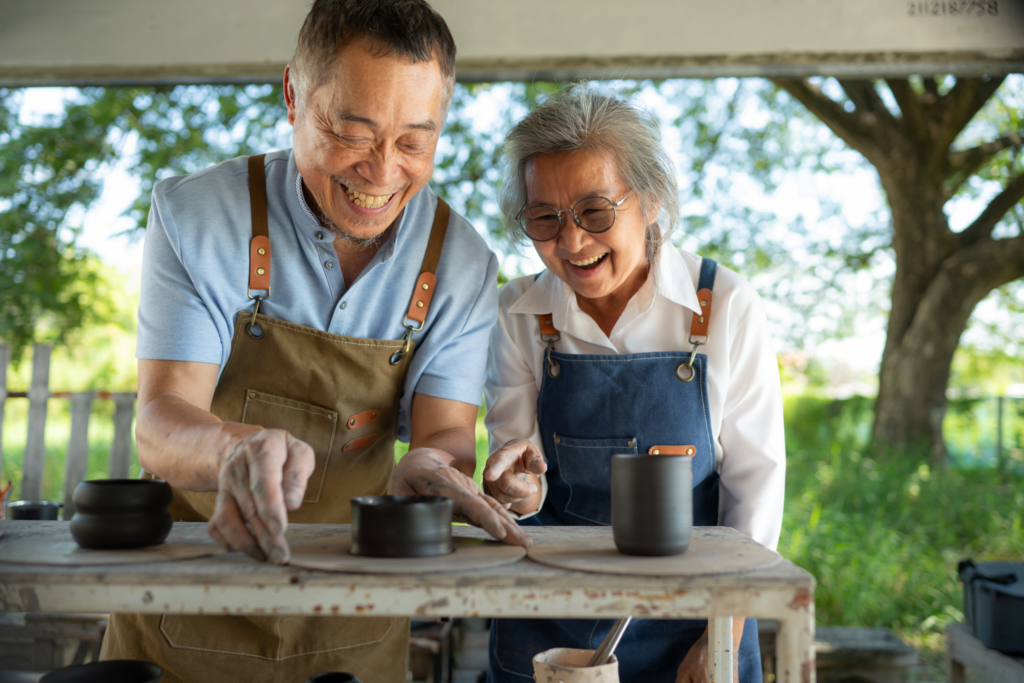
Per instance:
{"type": "Point", "coordinates": [121, 513]}
{"type": "Point", "coordinates": [119, 670]}
{"type": "Point", "coordinates": [402, 526]}
{"type": "Point", "coordinates": [333, 677]}
{"type": "Point", "coordinates": [34, 509]}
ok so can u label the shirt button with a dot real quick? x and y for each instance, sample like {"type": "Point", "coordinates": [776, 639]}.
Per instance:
{"type": "Point", "coordinates": [343, 304]}
{"type": "Point", "coordinates": [319, 235]}
{"type": "Point", "coordinates": [329, 265]}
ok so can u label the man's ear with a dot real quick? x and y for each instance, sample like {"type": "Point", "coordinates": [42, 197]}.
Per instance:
{"type": "Point", "coordinates": [289, 95]}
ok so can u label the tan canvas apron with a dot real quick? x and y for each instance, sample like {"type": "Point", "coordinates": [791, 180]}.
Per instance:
{"type": "Point", "coordinates": [340, 395]}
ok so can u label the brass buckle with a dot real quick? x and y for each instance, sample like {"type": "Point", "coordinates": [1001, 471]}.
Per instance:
{"type": "Point", "coordinates": [396, 357]}
{"type": "Point", "coordinates": [685, 371]}
{"type": "Point", "coordinates": [554, 367]}
{"type": "Point", "coordinates": [252, 323]}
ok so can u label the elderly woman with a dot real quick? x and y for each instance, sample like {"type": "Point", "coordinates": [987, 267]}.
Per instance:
{"type": "Point", "coordinates": [617, 347]}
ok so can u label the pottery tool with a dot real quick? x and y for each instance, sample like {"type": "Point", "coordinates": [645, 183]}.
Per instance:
{"type": "Point", "coordinates": [610, 642]}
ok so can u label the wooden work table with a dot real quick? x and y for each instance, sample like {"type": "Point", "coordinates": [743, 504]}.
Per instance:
{"type": "Point", "coordinates": [234, 583]}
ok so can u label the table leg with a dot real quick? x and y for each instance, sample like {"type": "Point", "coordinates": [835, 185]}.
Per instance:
{"type": "Point", "coordinates": [954, 669]}
{"type": "Point", "coordinates": [720, 640]}
{"type": "Point", "coordinates": [794, 649]}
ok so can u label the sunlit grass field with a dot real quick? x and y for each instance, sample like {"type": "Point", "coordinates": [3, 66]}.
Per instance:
{"type": "Point", "coordinates": [881, 532]}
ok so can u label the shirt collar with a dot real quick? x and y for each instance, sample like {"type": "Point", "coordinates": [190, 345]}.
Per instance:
{"type": "Point", "coordinates": [549, 294]}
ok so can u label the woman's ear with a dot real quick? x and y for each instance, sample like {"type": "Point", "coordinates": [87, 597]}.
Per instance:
{"type": "Point", "coordinates": [650, 213]}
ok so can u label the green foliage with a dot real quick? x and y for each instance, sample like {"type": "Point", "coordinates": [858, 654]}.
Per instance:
{"type": "Point", "coordinates": [883, 536]}
{"type": "Point", "coordinates": [52, 171]}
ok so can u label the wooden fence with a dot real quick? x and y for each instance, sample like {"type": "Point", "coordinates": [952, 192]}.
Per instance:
{"type": "Point", "coordinates": [77, 456]}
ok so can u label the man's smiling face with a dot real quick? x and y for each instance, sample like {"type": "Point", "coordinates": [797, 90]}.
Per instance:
{"type": "Point", "coordinates": [364, 140]}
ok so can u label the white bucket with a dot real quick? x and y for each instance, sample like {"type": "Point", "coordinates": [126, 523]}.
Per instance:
{"type": "Point", "coordinates": [568, 665]}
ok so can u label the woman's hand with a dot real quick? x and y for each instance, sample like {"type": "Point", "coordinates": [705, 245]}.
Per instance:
{"type": "Point", "coordinates": [510, 475]}
{"type": "Point", "coordinates": [694, 668]}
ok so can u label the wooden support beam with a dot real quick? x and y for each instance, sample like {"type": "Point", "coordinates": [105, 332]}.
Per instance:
{"type": "Point", "coordinates": [77, 459]}
{"type": "Point", "coordinates": [121, 446]}
{"type": "Point", "coordinates": [35, 441]}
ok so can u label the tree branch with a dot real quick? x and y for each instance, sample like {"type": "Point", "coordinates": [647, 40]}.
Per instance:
{"type": "Point", "coordinates": [847, 126]}
{"type": "Point", "coordinates": [960, 105]}
{"type": "Point", "coordinates": [966, 162]}
{"type": "Point", "coordinates": [986, 221]}
{"type": "Point", "coordinates": [863, 94]}
{"type": "Point", "coordinates": [914, 119]}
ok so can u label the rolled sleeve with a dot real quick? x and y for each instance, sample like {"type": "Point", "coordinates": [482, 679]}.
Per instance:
{"type": "Point", "coordinates": [511, 393]}
{"type": "Point", "coordinates": [753, 469]}
{"type": "Point", "coordinates": [174, 322]}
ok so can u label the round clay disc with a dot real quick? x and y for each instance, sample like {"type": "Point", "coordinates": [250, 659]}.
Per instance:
{"type": "Point", "coordinates": [597, 554]}
{"type": "Point", "coordinates": [331, 554]}
{"type": "Point", "coordinates": [61, 549]}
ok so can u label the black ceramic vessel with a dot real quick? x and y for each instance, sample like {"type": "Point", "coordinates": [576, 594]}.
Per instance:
{"type": "Point", "coordinates": [47, 510]}
{"type": "Point", "coordinates": [111, 671]}
{"type": "Point", "coordinates": [402, 526]}
{"type": "Point", "coordinates": [652, 504]}
{"type": "Point", "coordinates": [333, 677]}
{"type": "Point", "coordinates": [121, 513]}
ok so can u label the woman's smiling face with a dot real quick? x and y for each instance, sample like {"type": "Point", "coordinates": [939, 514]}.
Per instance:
{"type": "Point", "coordinates": [596, 266]}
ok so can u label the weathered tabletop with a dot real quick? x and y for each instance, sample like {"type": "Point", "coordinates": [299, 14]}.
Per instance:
{"type": "Point", "coordinates": [234, 583]}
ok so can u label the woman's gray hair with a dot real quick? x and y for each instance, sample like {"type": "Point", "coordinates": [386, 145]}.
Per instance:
{"type": "Point", "coordinates": [581, 118]}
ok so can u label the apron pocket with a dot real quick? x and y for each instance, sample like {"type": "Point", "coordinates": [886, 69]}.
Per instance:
{"type": "Point", "coordinates": [272, 638]}
{"type": "Point", "coordinates": [585, 465]}
{"type": "Point", "coordinates": [305, 421]}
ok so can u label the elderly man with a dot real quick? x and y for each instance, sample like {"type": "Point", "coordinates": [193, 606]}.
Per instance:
{"type": "Point", "coordinates": [299, 311]}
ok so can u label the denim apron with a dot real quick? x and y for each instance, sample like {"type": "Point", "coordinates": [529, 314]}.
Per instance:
{"type": "Point", "coordinates": [589, 408]}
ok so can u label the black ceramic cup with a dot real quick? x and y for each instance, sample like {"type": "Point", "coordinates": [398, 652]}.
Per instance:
{"type": "Point", "coordinates": [652, 504]}
{"type": "Point", "coordinates": [402, 526]}
{"type": "Point", "coordinates": [46, 510]}
{"type": "Point", "coordinates": [119, 670]}
{"type": "Point", "coordinates": [333, 677]}
{"type": "Point", "coordinates": [115, 514]}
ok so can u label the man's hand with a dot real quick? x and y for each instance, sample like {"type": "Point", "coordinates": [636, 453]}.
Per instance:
{"type": "Point", "coordinates": [260, 480]}
{"type": "Point", "coordinates": [425, 471]}
{"type": "Point", "coordinates": [507, 475]}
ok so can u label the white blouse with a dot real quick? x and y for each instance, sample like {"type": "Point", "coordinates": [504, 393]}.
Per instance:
{"type": "Point", "coordinates": [743, 375]}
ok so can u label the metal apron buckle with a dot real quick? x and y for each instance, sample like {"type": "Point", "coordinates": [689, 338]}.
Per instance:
{"type": "Point", "coordinates": [251, 325]}
{"type": "Point", "coordinates": [396, 357]}
{"type": "Point", "coordinates": [685, 371]}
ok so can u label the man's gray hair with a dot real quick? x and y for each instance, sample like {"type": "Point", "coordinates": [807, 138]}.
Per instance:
{"type": "Point", "coordinates": [410, 28]}
{"type": "Point", "coordinates": [581, 118]}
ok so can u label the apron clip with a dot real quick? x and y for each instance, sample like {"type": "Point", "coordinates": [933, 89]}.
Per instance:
{"type": "Point", "coordinates": [685, 371]}
{"type": "Point", "coordinates": [396, 357]}
{"type": "Point", "coordinates": [251, 325]}
{"type": "Point", "coordinates": [554, 368]}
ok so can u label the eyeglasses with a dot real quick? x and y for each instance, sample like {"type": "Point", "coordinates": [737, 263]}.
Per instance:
{"type": "Point", "coordinates": [593, 214]}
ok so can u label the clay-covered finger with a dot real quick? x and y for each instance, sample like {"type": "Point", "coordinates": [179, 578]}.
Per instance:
{"type": "Point", "coordinates": [231, 529]}
{"type": "Point", "coordinates": [266, 467]}
{"type": "Point", "coordinates": [512, 488]}
{"type": "Point", "coordinates": [504, 459]}
{"type": "Point", "coordinates": [298, 467]}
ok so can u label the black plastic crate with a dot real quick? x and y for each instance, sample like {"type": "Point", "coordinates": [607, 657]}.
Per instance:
{"type": "Point", "coordinates": [994, 604]}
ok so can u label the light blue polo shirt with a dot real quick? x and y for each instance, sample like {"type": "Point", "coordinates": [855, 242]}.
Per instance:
{"type": "Point", "coordinates": [196, 270]}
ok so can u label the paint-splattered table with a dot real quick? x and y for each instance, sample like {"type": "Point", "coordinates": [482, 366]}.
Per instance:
{"type": "Point", "coordinates": [233, 583]}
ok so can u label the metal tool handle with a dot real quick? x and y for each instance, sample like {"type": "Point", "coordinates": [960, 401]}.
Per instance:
{"type": "Point", "coordinates": [610, 642]}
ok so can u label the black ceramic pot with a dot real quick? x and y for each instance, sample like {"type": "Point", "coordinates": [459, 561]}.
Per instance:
{"type": "Point", "coordinates": [121, 513]}
{"type": "Point", "coordinates": [333, 677]}
{"type": "Point", "coordinates": [47, 510]}
{"type": "Point", "coordinates": [119, 670]}
{"type": "Point", "coordinates": [652, 504]}
{"type": "Point", "coordinates": [402, 526]}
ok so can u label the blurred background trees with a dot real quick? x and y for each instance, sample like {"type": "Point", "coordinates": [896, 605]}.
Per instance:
{"type": "Point", "coordinates": [915, 149]}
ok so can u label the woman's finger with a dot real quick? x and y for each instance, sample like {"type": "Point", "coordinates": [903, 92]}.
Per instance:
{"type": "Point", "coordinates": [504, 459]}
{"type": "Point", "coordinates": [512, 487]}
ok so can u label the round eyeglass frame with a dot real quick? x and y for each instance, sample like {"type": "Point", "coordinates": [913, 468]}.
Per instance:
{"type": "Point", "coordinates": [575, 218]}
